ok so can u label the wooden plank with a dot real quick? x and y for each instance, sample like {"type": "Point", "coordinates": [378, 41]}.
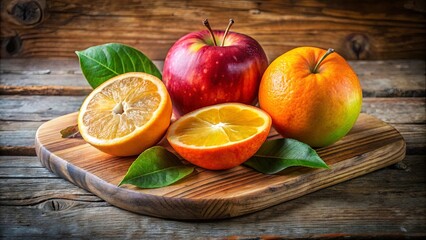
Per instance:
{"type": "Point", "coordinates": [50, 192]}
{"type": "Point", "coordinates": [12, 172]}
{"type": "Point", "coordinates": [396, 110]}
{"type": "Point", "coordinates": [387, 203]}
{"type": "Point", "coordinates": [17, 141]}
{"type": "Point", "coordinates": [37, 108]}
{"type": "Point", "coordinates": [22, 115]}
{"type": "Point", "coordinates": [43, 108]}
{"type": "Point", "coordinates": [371, 145]}
{"type": "Point", "coordinates": [51, 66]}
{"type": "Point", "coordinates": [26, 182]}
{"type": "Point", "coordinates": [40, 66]}
{"type": "Point", "coordinates": [44, 77]}
{"type": "Point", "coordinates": [392, 78]}
{"type": "Point", "coordinates": [17, 137]}
{"type": "Point", "coordinates": [357, 29]}
{"type": "Point", "coordinates": [17, 150]}
{"type": "Point", "coordinates": [19, 162]}
{"type": "Point", "coordinates": [414, 136]}
{"type": "Point", "coordinates": [398, 78]}
{"type": "Point", "coordinates": [18, 133]}
{"type": "Point", "coordinates": [395, 178]}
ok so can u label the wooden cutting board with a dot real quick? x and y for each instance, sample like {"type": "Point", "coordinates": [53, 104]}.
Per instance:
{"type": "Point", "coordinates": [371, 145]}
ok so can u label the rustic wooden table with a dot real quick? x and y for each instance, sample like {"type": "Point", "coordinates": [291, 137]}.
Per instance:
{"type": "Point", "coordinates": [34, 202]}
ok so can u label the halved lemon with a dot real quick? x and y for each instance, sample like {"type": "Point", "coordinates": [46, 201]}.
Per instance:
{"type": "Point", "coordinates": [220, 136]}
{"type": "Point", "coordinates": [126, 114]}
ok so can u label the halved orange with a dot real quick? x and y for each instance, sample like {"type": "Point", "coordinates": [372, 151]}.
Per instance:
{"type": "Point", "coordinates": [126, 114]}
{"type": "Point", "coordinates": [220, 136]}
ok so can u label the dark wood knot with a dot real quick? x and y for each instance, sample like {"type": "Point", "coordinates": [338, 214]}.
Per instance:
{"type": "Point", "coordinates": [11, 45]}
{"type": "Point", "coordinates": [27, 12]}
{"type": "Point", "coordinates": [358, 45]}
{"type": "Point", "coordinates": [54, 205]}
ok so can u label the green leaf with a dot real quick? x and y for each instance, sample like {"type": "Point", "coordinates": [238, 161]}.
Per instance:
{"type": "Point", "coordinates": [277, 155]}
{"type": "Point", "coordinates": [100, 63]}
{"type": "Point", "coordinates": [156, 167]}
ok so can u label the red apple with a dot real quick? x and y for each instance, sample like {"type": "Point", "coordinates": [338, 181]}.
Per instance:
{"type": "Point", "coordinates": [197, 73]}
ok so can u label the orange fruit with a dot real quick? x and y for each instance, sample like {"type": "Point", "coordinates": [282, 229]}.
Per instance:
{"type": "Point", "coordinates": [221, 136]}
{"type": "Point", "coordinates": [312, 97]}
{"type": "Point", "coordinates": [126, 114]}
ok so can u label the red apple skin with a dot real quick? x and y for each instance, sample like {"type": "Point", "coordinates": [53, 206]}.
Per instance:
{"type": "Point", "coordinates": [198, 74]}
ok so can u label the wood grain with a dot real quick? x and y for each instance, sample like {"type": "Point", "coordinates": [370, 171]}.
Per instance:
{"type": "Point", "coordinates": [400, 110]}
{"type": "Point", "coordinates": [22, 115]}
{"type": "Point", "coordinates": [38, 61]}
{"type": "Point", "coordinates": [359, 29]}
{"type": "Point", "coordinates": [17, 137]}
{"type": "Point", "coordinates": [392, 78]}
{"type": "Point", "coordinates": [371, 145]}
{"type": "Point", "coordinates": [43, 108]}
{"type": "Point", "coordinates": [387, 203]}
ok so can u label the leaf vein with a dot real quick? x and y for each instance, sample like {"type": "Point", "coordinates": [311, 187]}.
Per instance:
{"type": "Point", "coordinates": [101, 64]}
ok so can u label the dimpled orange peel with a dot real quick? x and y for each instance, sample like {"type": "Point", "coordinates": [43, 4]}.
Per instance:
{"type": "Point", "coordinates": [312, 95]}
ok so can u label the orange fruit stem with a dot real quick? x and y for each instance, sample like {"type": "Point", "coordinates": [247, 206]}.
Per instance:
{"type": "Point", "coordinates": [329, 51]}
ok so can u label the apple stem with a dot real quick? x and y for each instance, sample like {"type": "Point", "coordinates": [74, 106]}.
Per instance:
{"type": "Point", "coordinates": [329, 51]}
{"type": "Point", "coordinates": [231, 21]}
{"type": "Point", "coordinates": [206, 23]}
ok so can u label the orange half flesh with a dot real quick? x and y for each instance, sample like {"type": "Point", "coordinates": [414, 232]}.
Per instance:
{"type": "Point", "coordinates": [220, 136]}
{"type": "Point", "coordinates": [126, 114]}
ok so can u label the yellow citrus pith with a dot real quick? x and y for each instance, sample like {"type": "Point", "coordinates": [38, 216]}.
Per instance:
{"type": "Point", "coordinates": [126, 114]}
{"type": "Point", "coordinates": [220, 136]}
